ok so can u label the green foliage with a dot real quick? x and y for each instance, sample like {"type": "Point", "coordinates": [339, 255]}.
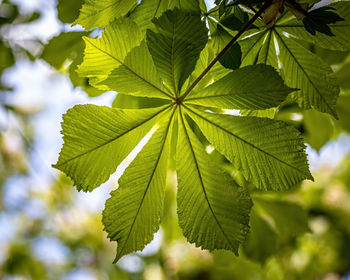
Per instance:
{"type": "Point", "coordinates": [340, 29]}
{"type": "Point", "coordinates": [299, 67]}
{"type": "Point", "coordinates": [103, 136]}
{"type": "Point", "coordinates": [138, 68]}
{"type": "Point", "coordinates": [235, 90]}
{"type": "Point", "coordinates": [155, 54]}
{"type": "Point", "coordinates": [107, 53]}
{"type": "Point", "coordinates": [175, 44]}
{"type": "Point", "coordinates": [146, 176]}
{"type": "Point", "coordinates": [150, 9]}
{"type": "Point", "coordinates": [277, 148]}
{"type": "Point", "coordinates": [98, 14]}
{"type": "Point", "coordinates": [303, 70]}
{"type": "Point", "coordinates": [211, 217]}
{"type": "Point", "coordinates": [64, 46]}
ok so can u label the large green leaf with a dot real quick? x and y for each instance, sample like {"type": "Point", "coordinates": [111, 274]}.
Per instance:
{"type": "Point", "coordinates": [139, 71]}
{"type": "Point", "coordinates": [132, 215]}
{"type": "Point", "coordinates": [269, 153]}
{"type": "Point", "coordinates": [302, 69]}
{"type": "Point", "coordinates": [341, 29]}
{"type": "Point", "coordinates": [157, 66]}
{"type": "Point", "coordinates": [98, 138]}
{"type": "Point", "coordinates": [108, 52]}
{"type": "Point", "coordinates": [149, 9]}
{"type": "Point", "coordinates": [237, 91]}
{"type": "Point", "coordinates": [175, 43]}
{"type": "Point", "coordinates": [213, 210]}
{"type": "Point", "coordinates": [97, 13]}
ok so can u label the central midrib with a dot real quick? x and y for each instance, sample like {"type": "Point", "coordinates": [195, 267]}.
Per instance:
{"type": "Point", "coordinates": [202, 184]}
{"type": "Point", "coordinates": [149, 182]}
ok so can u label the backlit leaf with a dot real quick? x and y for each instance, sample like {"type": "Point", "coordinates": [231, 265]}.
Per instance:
{"type": "Point", "coordinates": [97, 139]}
{"type": "Point", "coordinates": [97, 13]}
{"type": "Point", "coordinates": [213, 210]}
{"type": "Point", "coordinates": [269, 153]}
{"type": "Point", "coordinates": [175, 43]}
{"type": "Point", "coordinates": [236, 91]}
{"type": "Point", "coordinates": [132, 215]}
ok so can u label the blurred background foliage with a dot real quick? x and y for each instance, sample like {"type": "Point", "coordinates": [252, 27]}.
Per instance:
{"type": "Point", "coordinates": [49, 231]}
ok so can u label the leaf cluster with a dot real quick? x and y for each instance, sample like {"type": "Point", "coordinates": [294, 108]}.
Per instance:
{"type": "Point", "coordinates": [155, 54]}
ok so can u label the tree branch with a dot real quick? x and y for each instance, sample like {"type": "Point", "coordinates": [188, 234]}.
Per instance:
{"type": "Point", "coordinates": [225, 49]}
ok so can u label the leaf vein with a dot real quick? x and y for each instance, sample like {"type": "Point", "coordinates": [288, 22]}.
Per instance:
{"type": "Point", "coordinates": [110, 141]}
{"type": "Point", "coordinates": [148, 184]}
{"type": "Point", "coordinates": [132, 71]}
{"type": "Point", "coordinates": [304, 71]}
{"type": "Point", "coordinates": [248, 143]}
